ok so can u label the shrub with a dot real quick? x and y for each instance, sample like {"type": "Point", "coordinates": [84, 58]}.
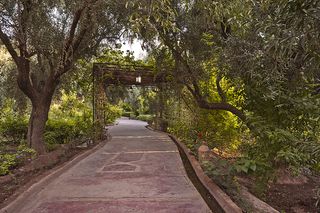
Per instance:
{"type": "Point", "coordinates": [65, 130]}
{"type": "Point", "coordinates": [112, 112]}
{"type": "Point", "coordinates": [61, 130]}
{"type": "Point", "coordinates": [145, 117]}
{"type": "Point", "coordinates": [13, 127]}
{"type": "Point", "coordinates": [126, 114]}
{"type": "Point", "coordinates": [9, 161]}
{"type": "Point", "coordinates": [69, 119]}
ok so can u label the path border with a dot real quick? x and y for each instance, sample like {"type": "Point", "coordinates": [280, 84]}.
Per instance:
{"type": "Point", "coordinates": [211, 192]}
{"type": "Point", "coordinates": [19, 202]}
{"type": "Point", "coordinates": [216, 194]}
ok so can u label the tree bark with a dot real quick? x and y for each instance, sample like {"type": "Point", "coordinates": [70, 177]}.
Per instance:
{"type": "Point", "coordinates": [37, 124]}
{"type": "Point", "coordinates": [222, 106]}
{"type": "Point", "coordinates": [204, 104]}
{"type": "Point", "coordinates": [40, 90]}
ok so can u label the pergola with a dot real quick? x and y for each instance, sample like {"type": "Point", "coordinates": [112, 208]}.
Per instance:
{"type": "Point", "coordinates": [116, 74]}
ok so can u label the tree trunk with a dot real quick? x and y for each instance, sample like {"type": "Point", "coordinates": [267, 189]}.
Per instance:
{"type": "Point", "coordinates": [37, 124]}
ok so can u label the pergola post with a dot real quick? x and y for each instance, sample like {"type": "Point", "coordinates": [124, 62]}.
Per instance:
{"type": "Point", "coordinates": [160, 122]}
{"type": "Point", "coordinates": [114, 74]}
{"type": "Point", "coordinates": [99, 104]}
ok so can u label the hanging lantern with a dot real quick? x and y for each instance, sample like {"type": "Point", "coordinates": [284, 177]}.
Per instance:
{"type": "Point", "coordinates": [138, 79]}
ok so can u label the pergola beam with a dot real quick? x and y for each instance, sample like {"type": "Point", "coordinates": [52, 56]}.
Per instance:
{"type": "Point", "coordinates": [115, 74]}
{"type": "Point", "coordinates": [126, 74]}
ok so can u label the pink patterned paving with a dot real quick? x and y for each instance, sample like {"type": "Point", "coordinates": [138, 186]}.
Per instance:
{"type": "Point", "coordinates": [129, 157]}
{"type": "Point", "coordinates": [117, 206]}
{"type": "Point", "coordinates": [119, 168]}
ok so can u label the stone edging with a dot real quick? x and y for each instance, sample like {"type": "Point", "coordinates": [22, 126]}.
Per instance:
{"type": "Point", "coordinates": [25, 196]}
{"type": "Point", "coordinates": [221, 198]}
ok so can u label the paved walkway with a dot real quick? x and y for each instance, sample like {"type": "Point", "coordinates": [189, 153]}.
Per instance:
{"type": "Point", "coordinates": [137, 171]}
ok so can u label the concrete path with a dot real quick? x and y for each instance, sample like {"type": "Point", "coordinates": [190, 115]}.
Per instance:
{"type": "Point", "coordinates": [137, 171]}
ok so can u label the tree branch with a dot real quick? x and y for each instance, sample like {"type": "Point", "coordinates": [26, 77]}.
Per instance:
{"type": "Point", "coordinates": [225, 28]}
{"type": "Point", "coordinates": [23, 19]}
{"type": "Point", "coordinates": [6, 41]}
{"type": "Point", "coordinates": [222, 106]}
{"type": "Point", "coordinates": [204, 104]}
{"type": "Point", "coordinates": [73, 42]}
{"type": "Point", "coordinates": [21, 62]}
{"type": "Point", "coordinates": [195, 91]}
{"type": "Point", "coordinates": [220, 90]}
{"type": "Point", "coordinates": [67, 63]}
{"type": "Point", "coordinates": [184, 98]}
{"type": "Point", "coordinates": [73, 28]}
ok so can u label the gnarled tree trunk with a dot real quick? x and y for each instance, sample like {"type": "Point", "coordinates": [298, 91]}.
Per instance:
{"type": "Point", "coordinates": [54, 57]}
{"type": "Point", "coordinates": [37, 124]}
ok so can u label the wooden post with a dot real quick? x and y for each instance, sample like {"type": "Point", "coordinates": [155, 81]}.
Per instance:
{"type": "Point", "coordinates": [99, 103]}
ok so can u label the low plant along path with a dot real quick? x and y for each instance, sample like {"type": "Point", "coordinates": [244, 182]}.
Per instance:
{"type": "Point", "coordinates": [137, 171]}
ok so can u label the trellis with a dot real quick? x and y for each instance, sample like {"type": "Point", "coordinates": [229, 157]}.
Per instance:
{"type": "Point", "coordinates": [116, 74]}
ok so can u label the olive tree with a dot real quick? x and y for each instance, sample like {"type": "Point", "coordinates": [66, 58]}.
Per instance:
{"type": "Point", "coordinates": [194, 32]}
{"type": "Point", "coordinates": [45, 39]}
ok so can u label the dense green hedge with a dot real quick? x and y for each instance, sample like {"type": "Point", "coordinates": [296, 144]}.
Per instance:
{"type": "Point", "coordinates": [145, 117]}
{"type": "Point", "coordinates": [126, 114]}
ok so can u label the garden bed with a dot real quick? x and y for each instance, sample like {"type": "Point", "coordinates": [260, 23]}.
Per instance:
{"type": "Point", "coordinates": [289, 194]}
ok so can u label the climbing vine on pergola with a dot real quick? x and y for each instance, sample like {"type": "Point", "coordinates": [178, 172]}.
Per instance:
{"type": "Point", "coordinates": [105, 74]}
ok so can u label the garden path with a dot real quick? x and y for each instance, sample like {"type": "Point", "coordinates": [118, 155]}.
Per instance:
{"type": "Point", "coordinates": [137, 171]}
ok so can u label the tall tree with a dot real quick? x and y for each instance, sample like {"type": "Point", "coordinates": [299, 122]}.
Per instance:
{"type": "Point", "coordinates": [182, 27]}
{"type": "Point", "coordinates": [45, 39]}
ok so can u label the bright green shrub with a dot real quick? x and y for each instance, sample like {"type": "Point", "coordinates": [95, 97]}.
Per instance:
{"type": "Point", "coordinates": [70, 119]}
{"type": "Point", "coordinates": [112, 112]}
{"type": "Point", "coordinates": [219, 129]}
{"type": "Point", "coordinates": [282, 143]}
{"type": "Point", "coordinates": [9, 161]}
{"type": "Point", "coordinates": [13, 127]}
{"type": "Point", "coordinates": [61, 131]}
{"type": "Point", "coordinates": [145, 117]}
{"type": "Point", "coordinates": [126, 107]}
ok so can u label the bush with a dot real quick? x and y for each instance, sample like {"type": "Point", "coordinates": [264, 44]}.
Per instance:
{"type": "Point", "coordinates": [61, 130]}
{"type": "Point", "coordinates": [13, 127]}
{"type": "Point", "coordinates": [126, 114]}
{"type": "Point", "coordinates": [280, 147]}
{"type": "Point", "coordinates": [9, 161]}
{"type": "Point", "coordinates": [64, 131]}
{"type": "Point", "coordinates": [51, 141]}
{"type": "Point", "coordinates": [145, 117]}
{"type": "Point", "coordinates": [69, 119]}
{"type": "Point", "coordinates": [112, 112]}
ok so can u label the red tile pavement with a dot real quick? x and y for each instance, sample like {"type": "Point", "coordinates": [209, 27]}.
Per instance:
{"type": "Point", "coordinates": [137, 171]}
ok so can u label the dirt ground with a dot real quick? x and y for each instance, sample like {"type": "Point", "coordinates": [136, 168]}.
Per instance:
{"type": "Point", "coordinates": [288, 193]}
{"type": "Point", "coordinates": [296, 198]}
